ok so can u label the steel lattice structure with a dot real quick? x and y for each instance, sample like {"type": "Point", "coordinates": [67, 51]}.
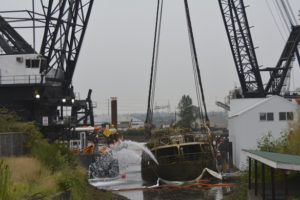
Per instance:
{"type": "Point", "coordinates": [238, 32]}
{"type": "Point", "coordinates": [243, 51]}
{"type": "Point", "coordinates": [63, 24]}
{"type": "Point", "coordinates": [66, 22]}
{"type": "Point", "coordinates": [278, 74]}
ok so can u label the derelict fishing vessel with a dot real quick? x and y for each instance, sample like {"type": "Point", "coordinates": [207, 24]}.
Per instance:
{"type": "Point", "coordinates": [181, 156]}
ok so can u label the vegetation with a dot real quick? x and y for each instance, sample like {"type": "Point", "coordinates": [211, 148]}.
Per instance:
{"type": "Point", "coordinates": [187, 112]}
{"type": "Point", "coordinates": [45, 170]}
{"type": "Point", "coordinates": [241, 190]}
{"type": "Point", "coordinates": [132, 132]}
{"type": "Point", "coordinates": [287, 143]}
{"type": "Point", "coordinates": [4, 180]}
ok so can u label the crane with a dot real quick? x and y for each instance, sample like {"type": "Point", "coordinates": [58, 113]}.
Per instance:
{"type": "Point", "coordinates": [244, 56]}
{"type": "Point", "coordinates": [38, 85]}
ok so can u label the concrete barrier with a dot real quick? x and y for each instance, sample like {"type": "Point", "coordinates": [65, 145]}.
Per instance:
{"type": "Point", "coordinates": [11, 144]}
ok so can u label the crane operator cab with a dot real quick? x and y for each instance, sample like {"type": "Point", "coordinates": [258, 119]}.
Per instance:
{"type": "Point", "coordinates": [21, 68]}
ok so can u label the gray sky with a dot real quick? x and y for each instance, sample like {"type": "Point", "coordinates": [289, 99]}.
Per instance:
{"type": "Point", "coordinates": [116, 55]}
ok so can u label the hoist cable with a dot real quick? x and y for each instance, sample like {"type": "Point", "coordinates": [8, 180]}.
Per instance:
{"type": "Point", "coordinates": [274, 19]}
{"type": "Point", "coordinates": [196, 81]}
{"type": "Point", "coordinates": [287, 13]}
{"type": "Point", "coordinates": [286, 32]}
{"type": "Point", "coordinates": [194, 52]}
{"type": "Point", "coordinates": [156, 58]}
{"type": "Point", "coordinates": [282, 15]}
{"type": "Point", "coordinates": [291, 12]}
{"type": "Point", "coordinates": [154, 63]}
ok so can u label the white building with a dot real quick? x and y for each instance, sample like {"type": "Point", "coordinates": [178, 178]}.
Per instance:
{"type": "Point", "coordinates": [250, 119]}
{"type": "Point", "coordinates": [125, 122]}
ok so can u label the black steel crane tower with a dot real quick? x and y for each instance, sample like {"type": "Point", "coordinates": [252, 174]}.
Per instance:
{"type": "Point", "coordinates": [242, 48]}
{"type": "Point", "coordinates": [39, 85]}
{"type": "Point", "coordinates": [243, 51]}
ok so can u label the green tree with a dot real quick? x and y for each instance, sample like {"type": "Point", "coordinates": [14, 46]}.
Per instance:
{"type": "Point", "coordinates": [186, 112]}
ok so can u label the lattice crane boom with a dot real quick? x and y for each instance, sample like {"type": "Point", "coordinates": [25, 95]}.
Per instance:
{"type": "Point", "coordinates": [66, 22]}
{"type": "Point", "coordinates": [278, 74]}
{"type": "Point", "coordinates": [240, 40]}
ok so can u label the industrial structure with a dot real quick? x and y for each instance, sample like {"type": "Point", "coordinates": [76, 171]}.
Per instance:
{"type": "Point", "coordinates": [258, 108]}
{"type": "Point", "coordinates": [244, 56]}
{"type": "Point", "coordinates": [38, 85]}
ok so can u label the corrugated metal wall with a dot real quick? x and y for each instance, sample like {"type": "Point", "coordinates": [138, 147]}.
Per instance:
{"type": "Point", "coordinates": [11, 144]}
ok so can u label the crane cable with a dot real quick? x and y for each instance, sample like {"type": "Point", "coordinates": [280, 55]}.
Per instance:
{"type": "Point", "coordinates": [291, 12]}
{"type": "Point", "coordinates": [288, 12]}
{"type": "Point", "coordinates": [281, 13]}
{"type": "Point", "coordinates": [198, 82]}
{"type": "Point", "coordinates": [277, 25]}
{"type": "Point", "coordinates": [154, 64]}
{"type": "Point", "coordinates": [199, 87]}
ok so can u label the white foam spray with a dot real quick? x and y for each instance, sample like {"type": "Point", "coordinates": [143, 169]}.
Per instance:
{"type": "Point", "coordinates": [127, 144]}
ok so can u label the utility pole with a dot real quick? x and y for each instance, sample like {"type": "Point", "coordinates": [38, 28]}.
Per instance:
{"type": "Point", "coordinates": [108, 111]}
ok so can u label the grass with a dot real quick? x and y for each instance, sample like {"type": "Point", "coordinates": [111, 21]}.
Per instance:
{"type": "Point", "coordinates": [241, 190]}
{"type": "Point", "coordinates": [4, 180]}
{"type": "Point", "coordinates": [30, 177]}
{"type": "Point", "coordinates": [45, 170]}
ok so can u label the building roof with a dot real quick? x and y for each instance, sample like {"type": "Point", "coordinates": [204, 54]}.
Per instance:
{"type": "Point", "coordinates": [240, 106]}
{"type": "Point", "coordinates": [275, 160]}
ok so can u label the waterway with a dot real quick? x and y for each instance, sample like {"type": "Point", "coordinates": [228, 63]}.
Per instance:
{"type": "Point", "coordinates": [129, 162]}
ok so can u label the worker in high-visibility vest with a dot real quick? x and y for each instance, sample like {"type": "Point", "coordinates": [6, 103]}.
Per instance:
{"type": "Point", "coordinates": [111, 134]}
{"type": "Point", "coordinates": [107, 134]}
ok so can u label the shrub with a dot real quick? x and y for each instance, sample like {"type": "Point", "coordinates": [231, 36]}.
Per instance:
{"type": "Point", "coordinates": [76, 181]}
{"type": "Point", "coordinates": [68, 156]}
{"type": "Point", "coordinates": [49, 155]}
{"type": "Point", "coordinates": [241, 192]}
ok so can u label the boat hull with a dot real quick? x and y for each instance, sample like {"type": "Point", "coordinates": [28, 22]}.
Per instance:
{"type": "Point", "coordinates": [179, 170]}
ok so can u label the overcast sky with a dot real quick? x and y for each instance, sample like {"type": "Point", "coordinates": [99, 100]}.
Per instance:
{"type": "Point", "coordinates": [116, 54]}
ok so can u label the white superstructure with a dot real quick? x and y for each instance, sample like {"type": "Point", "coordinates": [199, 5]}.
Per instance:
{"type": "Point", "coordinates": [21, 68]}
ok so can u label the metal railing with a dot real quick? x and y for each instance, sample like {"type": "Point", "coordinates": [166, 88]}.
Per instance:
{"type": "Point", "coordinates": [186, 157]}
{"type": "Point", "coordinates": [20, 79]}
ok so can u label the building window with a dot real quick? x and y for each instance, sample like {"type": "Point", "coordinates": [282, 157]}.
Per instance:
{"type": "Point", "coordinates": [290, 116]}
{"type": "Point", "coordinates": [270, 116]}
{"type": "Point", "coordinates": [283, 116]}
{"type": "Point", "coordinates": [266, 116]}
{"type": "Point", "coordinates": [35, 63]}
{"type": "Point", "coordinates": [262, 116]}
